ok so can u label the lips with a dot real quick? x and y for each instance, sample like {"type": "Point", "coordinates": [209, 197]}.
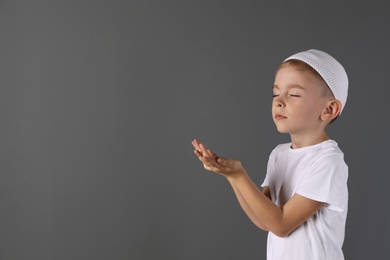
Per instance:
{"type": "Point", "coordinates": [279, 117]}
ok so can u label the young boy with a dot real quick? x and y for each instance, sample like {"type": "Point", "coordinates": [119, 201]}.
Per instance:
{"type": "Point", "coordinates": [304, 200]}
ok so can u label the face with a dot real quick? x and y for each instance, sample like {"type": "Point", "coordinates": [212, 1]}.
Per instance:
{"type": "Point", "coordinates": [297, 102]}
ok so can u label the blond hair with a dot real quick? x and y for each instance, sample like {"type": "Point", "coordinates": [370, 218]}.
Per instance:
{"type": "Point", "coordinates": [302, 66]}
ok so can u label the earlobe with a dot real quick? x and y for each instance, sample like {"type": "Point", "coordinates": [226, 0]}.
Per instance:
{"type": "Point", "coordinates": [332, 110]}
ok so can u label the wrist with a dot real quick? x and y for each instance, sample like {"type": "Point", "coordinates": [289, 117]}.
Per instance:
{"type": "Point", "coordinates": [236, 175]}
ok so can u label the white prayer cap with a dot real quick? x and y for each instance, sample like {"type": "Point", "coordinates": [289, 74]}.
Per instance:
{"type": "Point", "coordinates": [330, 70]}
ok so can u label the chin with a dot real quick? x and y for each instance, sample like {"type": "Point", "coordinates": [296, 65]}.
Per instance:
{"type": "Point", "coordinates": [282, 130]}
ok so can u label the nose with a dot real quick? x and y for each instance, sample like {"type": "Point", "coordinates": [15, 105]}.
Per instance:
{"type": "Point", "coordinates": [278, 102]}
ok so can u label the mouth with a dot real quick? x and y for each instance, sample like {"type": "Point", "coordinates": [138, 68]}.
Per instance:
{"type": "Point", "coordinates": [279, 117]}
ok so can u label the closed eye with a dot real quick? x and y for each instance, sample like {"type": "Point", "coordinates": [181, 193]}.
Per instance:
{"type": "Point", "coordinates": [275, 95]}
{"type": "Point", "coordinates": [293, 95]}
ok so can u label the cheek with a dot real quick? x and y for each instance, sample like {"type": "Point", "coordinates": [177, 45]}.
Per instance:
{"type": "Point", "coordinates": [314, 109]}
{"type": "Point", "coordinates": [305, 110]}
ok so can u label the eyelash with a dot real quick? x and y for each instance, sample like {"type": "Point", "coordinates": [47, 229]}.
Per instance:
{"type": "Point", "coordinates": [292, 95]}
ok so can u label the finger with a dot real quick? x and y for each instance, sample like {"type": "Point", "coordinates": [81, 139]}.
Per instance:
{"type": "Point", "coordinates": [210, 164]}
{"type": "Point", "coordinates": [205, 160]}
{"type": "Point", "coordinates": [203, 149]}
{"type": "Point", "coordinates": [197, 153]}
{"type": "Point", "coordinates": [212, 154]}
{"type": "Point", "coordinates": [200, 156]}
{"type": "Point", "coordinates": [195, 143]}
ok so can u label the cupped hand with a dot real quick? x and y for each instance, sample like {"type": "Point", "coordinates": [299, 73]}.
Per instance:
{"type": "Point", "coordinates": [211, 162]}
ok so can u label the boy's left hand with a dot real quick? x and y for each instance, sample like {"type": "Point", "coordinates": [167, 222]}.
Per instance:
{"type": "Point", "coordinates": [211, 162]}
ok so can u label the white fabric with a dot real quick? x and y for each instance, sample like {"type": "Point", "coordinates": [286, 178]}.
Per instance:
{"type": "Point", "coordinates": [330, 70]}
{"type": "Point", "coordinates": [319, 173]}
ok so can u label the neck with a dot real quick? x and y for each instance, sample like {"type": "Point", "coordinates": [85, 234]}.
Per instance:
{"type": "Point", "coordinates": [303, 141]}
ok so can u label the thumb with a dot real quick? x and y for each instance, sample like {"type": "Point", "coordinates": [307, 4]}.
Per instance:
{"type": "Point", "coordinates": [229, 163]}
{"type": "Point", "coordinates": [224, 162]}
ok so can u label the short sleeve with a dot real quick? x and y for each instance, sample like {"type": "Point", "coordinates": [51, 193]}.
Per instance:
{"type": "Point", "coordinates": [270, 169]}
{"type": "Point", "coordinates": [326, 181]}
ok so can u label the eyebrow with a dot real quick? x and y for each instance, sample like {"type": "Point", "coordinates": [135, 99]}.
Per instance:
{"type": "Point", "coordinates": [290, 86]}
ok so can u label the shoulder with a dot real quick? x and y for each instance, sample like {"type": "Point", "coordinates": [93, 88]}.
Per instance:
{"type": "Point", "coordinates": [282, 148]}
{"type": "Point", "coordinates": [279, 150]}
{"type": "Point", "coordinates": [327, 160]}
{"type": "Point", "coordinates": [328, 152]}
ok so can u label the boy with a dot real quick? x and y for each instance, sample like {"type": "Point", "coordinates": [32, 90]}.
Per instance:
{"type": "Point", "coordinates": [303, 203]}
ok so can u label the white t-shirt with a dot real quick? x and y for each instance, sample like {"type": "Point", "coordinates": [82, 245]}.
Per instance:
{"type": "Point", "coordinates": [319, 173]}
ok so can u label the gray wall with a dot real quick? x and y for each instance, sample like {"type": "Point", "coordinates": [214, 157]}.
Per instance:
{"type": "Point", "coordinates": [99, 101]}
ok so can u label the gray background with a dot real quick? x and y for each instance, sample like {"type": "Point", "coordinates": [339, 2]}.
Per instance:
{"type": "Point", "coordinates": [99, 101]}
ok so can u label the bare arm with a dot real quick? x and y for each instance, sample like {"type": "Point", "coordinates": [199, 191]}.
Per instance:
{"type": "Point", "coordinates": [260, 209]}
{"type": "Point", "coordinates": [247, 209]}
{"type": "Point", "coordinates": [279, 220]}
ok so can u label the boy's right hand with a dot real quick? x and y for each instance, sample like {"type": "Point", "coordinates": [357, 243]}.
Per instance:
{"type": "Point", "coordinates": [211, 162]}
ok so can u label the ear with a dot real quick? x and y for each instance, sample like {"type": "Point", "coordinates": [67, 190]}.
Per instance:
{"type": "Point", "coordinates": [331, 110]}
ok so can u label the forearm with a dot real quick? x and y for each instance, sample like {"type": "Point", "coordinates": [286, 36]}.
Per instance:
{"type": "Point", "coordinates": [261, 209]}
{"type": "Point", "coordinates": [246, 208]}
